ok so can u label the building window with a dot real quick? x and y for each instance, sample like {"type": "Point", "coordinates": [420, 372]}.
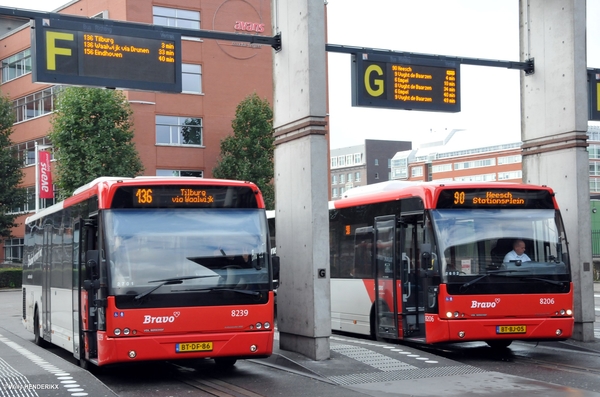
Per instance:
{"type": "Point", "coordinates": [349, 177]}
{"type": "Point", "coordinates": [476, 178]}
{"type": "Point", "coordinates": [13, 250]}
{"type": "Point", "coordinates": [342, 191]}
{"type": "Point", "coordinates": [594, 168]}
{"type": "Point", "coordinates": [333, 179]}
{"type": "Point", "coordinates": [172, 130]}
{"type": "Point", "coordinates": [357, 177]}
{"type": "Point", "coordinates": [509, 159]}
{"type": "Point", "coordinates": [389, 163]}
{"type": "Point", "coordinates": [197, 174]}
{"type": "Point", "coordinates": [441, 168]}
{"type": "Point", "coordinates": [175, 17]}
{"type": "Point", "coordinates": [416, 171]}
{"type": "Point", "coordinates": [334, 192]}
{"type": "Point", "coordinates": [16, 65]}
{"type": "Point", "coordinates": [333, 162]}
{"type": "Point", "coordinates": [342, 178]}
{"type": "Point", "coordinates": [191, 78]}
{"type": "Point", "coordinates": [594, 184]}
{"type": "Point", "coordinates": [341, 161]}
{"type": "Point", "coordinates": [25, 151]}
{"type": "Point", "coordinates": [502, 176]}
{"type": "Point", "coordinates": [36, 104]}
{"type": "Point", "coordinates": [349, 160]}
{"type": "Point", "coordinates": [594, 151]}
{"type": "Point", "coordinates": [376, 161]}
{"type": "Point", "coordinates": [377, 175]}
{"type": "Point", "coordinates": [29, 204]}
{"type": "Point", "coordinates": [474, 164]}
{"type": "Point", "coordinates": [357, 158]}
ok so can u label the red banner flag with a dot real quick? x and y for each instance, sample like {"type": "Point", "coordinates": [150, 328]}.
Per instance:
{"type": "Point", "coordinates": [46, 190]}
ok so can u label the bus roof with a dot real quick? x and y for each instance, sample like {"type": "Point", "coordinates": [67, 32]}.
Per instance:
{"type": "Point", "coordinates": [428, 191]}
{"type": "Point", "coordinates": [101, 186]}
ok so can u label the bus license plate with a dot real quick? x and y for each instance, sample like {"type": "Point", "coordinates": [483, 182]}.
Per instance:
{"type": "Point", "coordinates": [511, 329]}
{"type": "Point", "coordinates": [193, 347]}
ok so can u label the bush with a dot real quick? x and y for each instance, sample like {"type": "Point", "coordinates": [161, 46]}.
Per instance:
{"type": "Point", "coordinates": [11, 277]}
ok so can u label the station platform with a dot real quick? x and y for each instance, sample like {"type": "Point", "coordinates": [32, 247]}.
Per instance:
{"type": "Point", "coordinates": [370, 368]}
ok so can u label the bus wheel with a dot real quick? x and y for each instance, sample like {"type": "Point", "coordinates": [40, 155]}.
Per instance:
{"type": "Point", "coordinates": [499, 344]}
{"type": "Point", "coordinates": [225, 362]}
{"type": "Point", "coordinates": [37, 338]}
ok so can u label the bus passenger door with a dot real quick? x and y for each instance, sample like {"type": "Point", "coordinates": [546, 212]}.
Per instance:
{"type": "Point", "coordinates": [89, 284]}
{"type": "Point", "coordinates": [388, 288]}
{"type": "Point", "coordinates": [413, 311]}
{"type": "Point", "coordinates": [46, 318]}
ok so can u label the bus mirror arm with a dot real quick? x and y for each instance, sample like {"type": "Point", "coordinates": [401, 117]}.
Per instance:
{"type": "Point", "coordinates": [276, 266]}
{"type": "Point", "coordinates": [89, 285]}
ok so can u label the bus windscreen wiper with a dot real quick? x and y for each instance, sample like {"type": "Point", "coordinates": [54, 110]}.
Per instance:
{"type": "Point", "coordinates": [554, 282]}
{"type": "Point", "coordinates": [469, 283]}
{"type": "Point", "coordinates": [239, 291]}
{"type": "Point", "coordinates": [170, 281]}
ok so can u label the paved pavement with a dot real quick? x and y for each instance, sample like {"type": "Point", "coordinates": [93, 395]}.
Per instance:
{"type": "Point", "coordinates": [356, 368]}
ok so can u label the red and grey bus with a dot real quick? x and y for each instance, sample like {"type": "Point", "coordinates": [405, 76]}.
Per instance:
{"type": "Point", "coordinates": [425, 262]}
{"type": "Point", "coordinates": [149, 268]}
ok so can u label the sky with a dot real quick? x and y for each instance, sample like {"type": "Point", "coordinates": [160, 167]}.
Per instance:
{"type": "Point", "coordinates": [490, 98]}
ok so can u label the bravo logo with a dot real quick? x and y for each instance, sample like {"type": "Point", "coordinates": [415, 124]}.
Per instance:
{"type": "Point", "coordinates": [485, 305]}
{"type": "Point", "coordinates": [148, 319]}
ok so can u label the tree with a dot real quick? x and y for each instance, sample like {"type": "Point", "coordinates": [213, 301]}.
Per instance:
{"type": "Point", "coordinates": [248, 154]}
{"type": "Point", "coordinates": [92, 134]}
{"type": "Point", "coordinates": [12, 196]}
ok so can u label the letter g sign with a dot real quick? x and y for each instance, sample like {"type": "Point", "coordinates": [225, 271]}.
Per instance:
{"type": "Point", "coordinates": [374, 87]}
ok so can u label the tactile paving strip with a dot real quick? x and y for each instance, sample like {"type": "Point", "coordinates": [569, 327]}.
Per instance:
{"type": "Point", "coordinates": [369, 357]}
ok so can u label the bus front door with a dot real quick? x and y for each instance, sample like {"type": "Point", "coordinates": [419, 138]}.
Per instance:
{"type": "Point", "coordinates": [388, 286]}
{"type": "Point", "coordinates": [46, 318]}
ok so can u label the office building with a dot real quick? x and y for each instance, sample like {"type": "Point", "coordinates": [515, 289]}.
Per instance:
{"type": "Point", "coordinates": [216, 76]}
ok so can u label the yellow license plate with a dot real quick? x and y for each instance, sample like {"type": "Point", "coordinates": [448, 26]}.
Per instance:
{"type": "Point", "coordinates": [511, 329]}
{"type": "Point", "coordinates": [193, 347]}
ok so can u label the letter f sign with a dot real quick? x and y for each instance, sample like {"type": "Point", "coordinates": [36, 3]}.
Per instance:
{"type": "Point", "coordinates": [52, 50]}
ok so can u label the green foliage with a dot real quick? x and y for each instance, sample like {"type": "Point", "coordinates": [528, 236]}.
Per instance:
{"type": "Point", "coordinates": [247, 155]}
{"type": "Point", "coordinates": [12, 196]}
{"type": "Point", "coordinates": [11, 277]}
{"type": "Point", "coordinates": [92, 134]}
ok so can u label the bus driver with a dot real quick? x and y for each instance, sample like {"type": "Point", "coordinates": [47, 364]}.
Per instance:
{"type": "Point", "coordinates": [517, 253]}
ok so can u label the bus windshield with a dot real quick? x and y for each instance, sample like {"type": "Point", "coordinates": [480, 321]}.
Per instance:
{"type": "Point", "coordinates": [185, 250]}
{"type": "Point", "coordinates": [476, 242]}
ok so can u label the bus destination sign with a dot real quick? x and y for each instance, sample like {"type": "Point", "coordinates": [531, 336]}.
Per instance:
{"type": "Point", "coordinates": [184, 196]}
{"type": "Point", "coordinates": [402, 83]}
{"type": "Point", "coordinates": [495, 198]}
{"type": "Point", "coordinates": [95, 54]}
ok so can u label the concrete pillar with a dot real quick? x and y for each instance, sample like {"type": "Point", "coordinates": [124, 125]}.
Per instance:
{"type": "Point", "coordinates": [554, 125]}
{"type": "Point", "coordinates": [301, 178]}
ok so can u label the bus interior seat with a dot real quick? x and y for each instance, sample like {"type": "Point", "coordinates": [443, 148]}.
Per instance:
{"type": "Point", "coordinates": [503, 247]}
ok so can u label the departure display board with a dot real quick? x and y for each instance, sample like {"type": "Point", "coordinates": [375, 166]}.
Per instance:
{"type": "Point", "coordinates": [402, 83]}
{"type": "Point", "coordinates": [495, 198]}
{"type": "Point", "coordinates": [97, 54]}
{"type": "Point", "coordinates": [184, 196]}
{"type": "Point", "coordinates": [594, 96]}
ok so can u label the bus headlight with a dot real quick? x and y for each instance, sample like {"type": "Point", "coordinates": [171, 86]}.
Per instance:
{"type": "Point", "coordinates": [117, 331]}
{"type": "Point", "coordinates": [267, 325]}
{"type": "Point", "coordinates": [258, 325]}
{"type": "Point", "coordinates": [569, 312]}
{"type": "Point", "coordinates": [449, 314]}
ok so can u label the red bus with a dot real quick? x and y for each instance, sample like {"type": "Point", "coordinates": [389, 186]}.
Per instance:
{"type": "Point", "coordinates": [135, 269]}
{"type": "Point", "coordinates": [425, 262]}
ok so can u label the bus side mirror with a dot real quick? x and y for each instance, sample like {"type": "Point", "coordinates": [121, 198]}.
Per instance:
{"type": "Point", "coordinates": [276, 268]}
